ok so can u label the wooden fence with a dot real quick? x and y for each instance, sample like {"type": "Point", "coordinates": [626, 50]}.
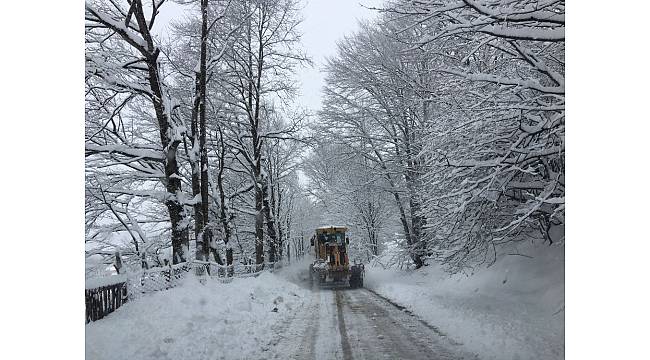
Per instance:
{"type": "Point", "coordinates": [103, 300]}
{"type": "Point", "coordinates": [115, 290]}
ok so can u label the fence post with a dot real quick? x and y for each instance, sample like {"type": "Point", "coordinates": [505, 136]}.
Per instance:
{"type": "Point", "coordinates": [125, 293]}
{"type": "Point", "coordinates": [168, 276]}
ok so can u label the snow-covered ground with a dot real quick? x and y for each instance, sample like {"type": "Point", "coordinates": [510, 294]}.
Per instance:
{"type": "Point", "coordinates": [197, 321]}
{"type": "Point", "coordinates": [511, 310]}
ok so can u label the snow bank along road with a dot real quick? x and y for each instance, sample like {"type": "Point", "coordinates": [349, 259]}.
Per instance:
{"type": "Point", "coordinates": [273, 316]}
{"type": "Point", "coordinates": [358, 324]}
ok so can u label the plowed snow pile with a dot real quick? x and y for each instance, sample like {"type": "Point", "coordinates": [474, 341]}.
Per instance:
{"type": "Point", "coordinates": [196, 321]}
{"type": "Point", "coordinates": [511, 310]}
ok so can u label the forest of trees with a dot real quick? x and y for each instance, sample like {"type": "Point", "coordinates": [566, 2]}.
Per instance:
{"type": "Point", "coordinates": [442, 130]}
{"type": "Point", "coordinates": [195, 138]}
{"type": "Point", "coordinates": [446, 120]}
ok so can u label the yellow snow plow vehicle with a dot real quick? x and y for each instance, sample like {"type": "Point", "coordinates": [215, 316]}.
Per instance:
{"type": "Point", "coordinates": [332, 264]}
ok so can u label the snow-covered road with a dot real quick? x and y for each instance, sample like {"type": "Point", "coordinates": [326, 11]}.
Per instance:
{"type": "Point", "coordinates": [358, 324]}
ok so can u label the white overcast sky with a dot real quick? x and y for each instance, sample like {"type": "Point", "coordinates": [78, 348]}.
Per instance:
{"type": "Point", "coordinates": [325, 22]}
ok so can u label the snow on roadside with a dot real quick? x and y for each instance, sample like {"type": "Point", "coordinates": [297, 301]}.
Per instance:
{"type": "Point", "coordinates": [104, 281]}
{"type": "Point", "coordinates": [196, 321]}
{"type": "Point", "coordinates": [511, 310]}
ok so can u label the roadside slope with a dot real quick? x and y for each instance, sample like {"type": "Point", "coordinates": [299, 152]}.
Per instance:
{"type": "Point", "coordinates": [196, 321]}
{"type": "Point", "coordinates": [512, 310]}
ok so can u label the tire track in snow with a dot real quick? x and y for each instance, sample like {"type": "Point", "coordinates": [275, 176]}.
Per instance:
{"type": "Point", "coordinates": [311, 333]}
{"type": "Point", "coordinates": [345, 324]}
{"type": "Point", "coordinates": [328, 338]}
{"type": "Point", "coordinates": [345, 343]}
{"type": "Point", "coordinates": [380, 330]}
{"type": "Point", "coordinates": [409, 312]}
{"type": "Point", "coordinates": [307, 348]}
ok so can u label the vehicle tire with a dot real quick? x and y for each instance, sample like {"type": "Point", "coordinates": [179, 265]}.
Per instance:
{"type": "Point", "coordinates": [354, 281]}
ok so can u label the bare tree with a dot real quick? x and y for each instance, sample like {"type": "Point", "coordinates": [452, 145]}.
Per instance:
{"type": "Point", "coordinates": [134, 67]}
{"type": "Point", "coordinates": [459, 106]}
{"type": "Point", "coordinates": [259, 64]}
{"type": "Point", "coordinates": [222, 87]}
{"type": "Point", "coordinates": [373, 104]}
{"type": "Point", "coordinates": [495, 150]}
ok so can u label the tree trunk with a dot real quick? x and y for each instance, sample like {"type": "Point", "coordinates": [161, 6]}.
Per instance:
{"type": "Point", "coordinates": [270, 221]}
{"type": "Point", "coordinates": [223, 207]}
{"type": "Point", "coordinates": [416, 221]}
{"type": "Point", "coordinates": [170, 140]}
{"type": "Point", "coordinates": [180, 235]}
{"type": "Point", "coordinates": [229, 261]}
{"type": "Point", "coordinates": [253, 109]}
{"type": "Point", "coordinates": [203, 244]}
{"type": "Point", "coordinates": [196, 171]}
{"type": "Point", "coordinates": [259, 226]}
